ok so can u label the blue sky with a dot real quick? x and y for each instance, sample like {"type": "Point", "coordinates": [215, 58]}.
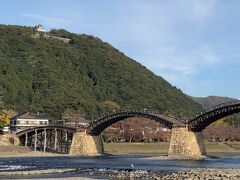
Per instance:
{"type": "Point", "coordinates": [194, 44]}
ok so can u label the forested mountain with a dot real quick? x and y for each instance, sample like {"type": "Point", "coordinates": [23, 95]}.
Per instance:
{"type": "Point", "coordinates": [207, 102]}
{"type": "Point", "coordinates": [84, 75]}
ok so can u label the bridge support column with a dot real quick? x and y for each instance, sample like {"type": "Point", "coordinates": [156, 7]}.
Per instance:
{"type": "Point", "coordinates": [16, 141]}
{"type": "Point", "coordinates": [66, 142]}
{"type": "Point", "coordinates": [26, 139]}
{"type": "Point", "coordinates": [35, 141]}
{"type": "Point", "coordinates": [186, 144]}
{"type": "Point", "coordinates": [84, 144]}
{"type": "Point", "coordinates": [45, 141]}
{"type": "Point", "coordinates": [55, 140]}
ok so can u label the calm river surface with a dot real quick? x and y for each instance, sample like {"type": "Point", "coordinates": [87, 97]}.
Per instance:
{"type": "Point", "coordinates": [114, 162]}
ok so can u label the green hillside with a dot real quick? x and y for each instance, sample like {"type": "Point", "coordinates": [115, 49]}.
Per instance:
{"type": "Point", "coordinates": [85, 75]}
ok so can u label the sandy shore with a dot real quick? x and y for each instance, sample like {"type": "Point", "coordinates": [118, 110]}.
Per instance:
{"type": "Point", "coordinates": [32, 154]}
{"type": "Point", "coordinates": [21, 151]}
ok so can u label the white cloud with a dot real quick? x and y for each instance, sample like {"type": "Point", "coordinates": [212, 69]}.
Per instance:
{"type": "Point", "coordinates": [202, 8]}
{"type": "Point", "coordinates": [179, 61]}
{"type": "Point", "coordinates": [209, 56]}
{"type": "Point", "coordinates": [160, 38]}
{"type": "Point", "coordinates": [180, 67]}
{"type": "Point", "coordinates": [166, 37]}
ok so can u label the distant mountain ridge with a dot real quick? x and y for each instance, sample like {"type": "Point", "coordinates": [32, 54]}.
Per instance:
{"type": "Point", "coordinates": [210, 101]}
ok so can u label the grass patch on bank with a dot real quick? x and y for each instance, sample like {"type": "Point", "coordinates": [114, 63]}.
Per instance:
{"type": "Point", "coordinates": [137, 148]}
{"type": "Point", "coordinates": [216, 147]}
{"type": "Point", "coordinates": [235, 145]}
{"type": "Point", "coordinates": [163, 147]}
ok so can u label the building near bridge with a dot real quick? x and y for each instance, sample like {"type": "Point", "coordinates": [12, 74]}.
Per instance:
{"type": "Point", "coordinates": [27, 120]}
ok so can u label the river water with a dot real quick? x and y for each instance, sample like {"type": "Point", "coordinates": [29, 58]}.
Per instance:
{"type": "Point", "coordinates": [139, 162]}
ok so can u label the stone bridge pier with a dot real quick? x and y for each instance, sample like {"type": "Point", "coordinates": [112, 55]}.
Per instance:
{"type": "Point", "coordinates": [186, 144]}
{"type": "Point", "coordinates": [84, 144]}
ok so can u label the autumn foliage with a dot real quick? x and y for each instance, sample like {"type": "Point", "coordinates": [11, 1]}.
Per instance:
{"type": "Point", "coordinates": [136, 130]}
{"type": "Point", "coordinates": [222, 132]}
{"type": "Point", "coordinates": [142, 130]}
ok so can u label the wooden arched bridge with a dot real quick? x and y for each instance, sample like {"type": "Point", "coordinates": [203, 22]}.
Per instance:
{"type": "Point", "coordinates": [96, 127]}
{"type": "Point", "coordinates": [186, 140]}
{"type": "Point", "coordinates": [210, 115]}
{"type": "Point", "coordinates": [47, 138]}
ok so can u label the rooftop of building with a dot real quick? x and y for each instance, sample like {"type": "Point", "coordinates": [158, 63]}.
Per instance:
{"type": "Point", "coordinates": [28, 115]}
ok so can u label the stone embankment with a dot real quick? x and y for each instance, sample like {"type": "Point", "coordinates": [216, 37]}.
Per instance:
{"type": "Point", "coordinates": [46, 36]}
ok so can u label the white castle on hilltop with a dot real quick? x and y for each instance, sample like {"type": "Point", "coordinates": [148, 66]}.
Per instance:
{"type": "Point", "coordinates": [40, 32]}
{"type": "Point", "coordinates": [39, 28]}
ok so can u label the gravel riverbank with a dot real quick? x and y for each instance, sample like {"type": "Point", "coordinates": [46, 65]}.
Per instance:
{"type": "Point", "coordinates": [195, 173]}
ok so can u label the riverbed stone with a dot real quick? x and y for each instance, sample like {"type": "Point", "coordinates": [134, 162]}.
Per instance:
{"type": "Point", "coordinates": [187, 174]}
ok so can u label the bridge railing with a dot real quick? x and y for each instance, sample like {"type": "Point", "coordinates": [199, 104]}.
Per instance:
{"type": "Point", "coordinates": [158, 113]}
{"type": "Point", "coordinates": [147, 111]}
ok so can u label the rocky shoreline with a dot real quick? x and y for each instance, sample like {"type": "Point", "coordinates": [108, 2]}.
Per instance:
{"type": "Point", "coordinates": [194, 173]}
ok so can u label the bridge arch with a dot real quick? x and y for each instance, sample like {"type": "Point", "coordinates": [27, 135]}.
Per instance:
{"type": "Point", "coordinates": [96, 127]}
{"type": "Point", "coordinates": [204, 119]}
